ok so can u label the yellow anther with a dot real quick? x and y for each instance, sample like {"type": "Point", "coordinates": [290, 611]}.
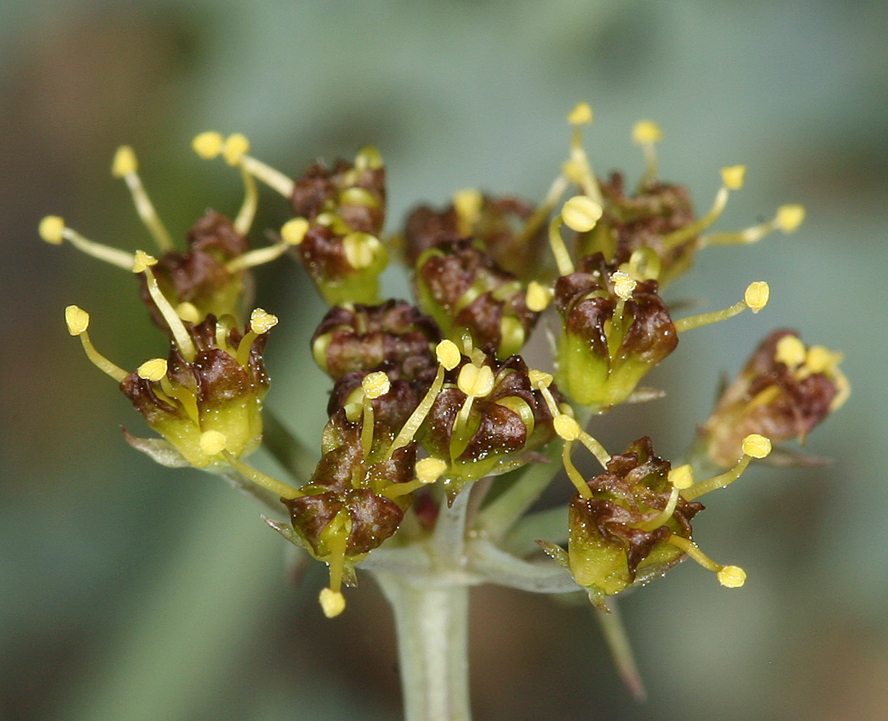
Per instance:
{"type": "Point", "coordinates": [756, 295]}
{"type": "Point", "coordinates": [429, 470]}
{"type": "Point", "coordinates": [332, 602]}
{"type": "Point", "coordinates": [566, 427]}
{"type": "Point", "coordinates": [756, 445]}
{"type": "Point", "coordinates": [468, 204]}
{"type": "Point", "coordinates": [580, 115]}
{"type": "Point", "coordinates": [731, 576]}
{"type": "Point", "coordinates": [790, 217]}
{"type": "Point", "coordinates": [790, 351]}
{"type": "Point", "coordinates": [475, 381]}
{"type": "Point", "coordinates": [376, 384]}
{"type": "Point", "coordinates": [448, 354]}
{"type": "Point", "coordinates": [581, 213]}
{"type": "Point", "coordinates": [368, 157]}
{"type": "Point", "coordinates": [236, 146]}
{"type": "Point", "coordinates": [51, 229]}
{"type": "Point", "coordinates": [733, 176]}
{"type": "Point", "coordinates": [360, 249]}
{"type": "Point", "coordinates": [208, 145]}
{"type": "Point", "coordinates": [539, 379]}
{"type": "Point", "coordinates": [821, 360]}
{"type": "Point", "coordinates": [646, 131]}
{"type": "Point", "coordinates": [143, 261]}
{"type": "Point", "coordinates": [152, 370]}
{"type": "Point", "coordinates": [623, 285]}
{"type": "Point", "coordinates": [682, 477]}
{"type": "Point", "coordinates": [77, 320]}
{"type": "Point", "coordinates": [212, 442]}
{"type": "Point", "coordinates": [188, 312]}
{"type": "Point", "coordinates": [124, 162]}
{"type": "Point", "coordinates": [538, 297]}
{"type": "Point", "coordinates": [261, 321]}
{"type": "Point", "coordinates": [293, 231]}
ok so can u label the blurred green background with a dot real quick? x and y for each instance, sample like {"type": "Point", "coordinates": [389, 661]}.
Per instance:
{"type": "Point", "coordinates": [132, 592]}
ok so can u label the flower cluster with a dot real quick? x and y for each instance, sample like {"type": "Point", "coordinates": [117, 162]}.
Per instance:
{"type": "Point", "coordinates": [432, 402]}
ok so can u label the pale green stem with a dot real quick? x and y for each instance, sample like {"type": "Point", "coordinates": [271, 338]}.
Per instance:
{"type": "Point", "coordinates": [431, 621]}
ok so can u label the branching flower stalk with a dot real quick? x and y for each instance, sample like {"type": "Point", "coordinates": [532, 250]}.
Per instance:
{"type": "Point", "coordinates": [440, 438]}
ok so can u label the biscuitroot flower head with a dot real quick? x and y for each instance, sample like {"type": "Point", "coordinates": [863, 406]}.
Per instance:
{"type": "Point", "coordinates": [441, 435]}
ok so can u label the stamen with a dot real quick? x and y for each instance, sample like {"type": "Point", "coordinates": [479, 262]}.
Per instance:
{"type": "Point", "coordinates": [428, 470]}
{"type": "Point", "coordinates": [568, 429]}
{"type": "Point", "coordinates": [538, 297]}
{"type": "Point", "coordinates": [644, 264]}
{"type": "Point", "coordinates": [788, 219]}
{"type": "Point", "coordinates": [294, 230]}
{"type": "Point", "coordinates": [790, 351]}
{"type": "Point", "coordinates": [624, 285]}
{"type": "Point", "coordinates": [559, 249]}
{"type": "Point", "coordinates": [125, 166]}
{"type": "Point", "coordinates": [754, 446]}
{"type": "Point", "coordinates": [260, 322]}
{"type": "Point", "coordinates": [572, 473]}
{"type": "Point", "coordinates": [260, 479]}
{"type": "Point", "coordinates": [374, 385]}
{"type": "Point", "coordinates": [728, 576]}
{"type": "Point", "coordinates": [581, 213]}
{"type": "Point", "coordinates": [578, 169]}
{"type": "Point", "coordinates": [368, 158]}
{"type": "Point", "coordinates": [189, 312]}
{"type": "Point", "coordinates": [274, 179]}
{"type": "Point", "coordinates": [53, 230]}
{"type": "Point", "coordinates": [732, 179]}
{"type": "Point", "coordinates": [142, 264]}
{"type": "Point", "coordinates": [412, 424]}
{"type": "Point", "coordinates": [213, 442]}
{"type": "Point", "coordinates": [467, 204]}
{"type": "Point", "coordinates": [247, 211]}
{"type": "Point", "coordinates": [448, 354]}
{"type": "Point", "coordinates": [755, 298]}
{"type": "Point", "coordinates": [77, 320]}
{"type": "Point", "coordinates": [663, 516]}
{"type": "Point", "coordinates": [647, 134]}
{"type": "Point", "coordinates": [208, 145]}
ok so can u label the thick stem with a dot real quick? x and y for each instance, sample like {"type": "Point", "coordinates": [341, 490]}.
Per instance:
{"type": "Point", "coordinates": [431, 621]}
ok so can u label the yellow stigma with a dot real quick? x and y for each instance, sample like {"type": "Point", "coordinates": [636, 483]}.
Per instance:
{"type": "Point", "coordinates": [645, 131]}
{"type": "Point", "coordinates": [580, 115]}
{"type": "Point", "coordinates": [756, 445]}
{"type": "Point", "coordinates": [681, 477]}
{"type": "Point", "coordinates": [790, 217]}
{"type": "Point", "coordinates": [538, 297]}
{"type": "Point", "coordinates": [208, 145]}
{"type": "Point", "coordinates": [756, 295]}
{"type": "Point", "coordinates": [261, 321]}
{"type": "Point", "coordinates": [51, 229]}
{"type": "Point", "coordinates": [236, 146]}
{"type": "Point", "coordinates": [623, 285]}
{"type": "Point", "coordinates": [375, 384]}
{"type": "Point", "coordinates": [142, 261]}
{"type": "Point", "coordinates": [77, 320]}
{"type": "Point", "coordinates": [566, 427]}
{"type": "Point", "coordinates": [448, 354]}
{"type": "Point", "coordinates": [212, 442]}
{"type": "Point", "coordinates": [476, 381]}
{"type": "Point", "coordinates": [790, 351]}
{"type": "Point", "coordinates": [731, 576]}
{"type": "Point", "coordinates": [429, 470]}
{"type": "Point", "coordinates": [332, 602]}
{"type": "Point", "coordinates": [733, 176]}
{"type": "Point", "coordinates": [124, 162]}
{"type": "Point", "coordinates": [152, 370]}
{"type": "Point", "coordinates": [581, 213]}
{"type": "Point", "coordinates": [293, 231]}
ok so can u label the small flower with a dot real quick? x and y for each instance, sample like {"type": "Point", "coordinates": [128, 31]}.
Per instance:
{"type": "Point", "coordinates": [209, 388]}
{"type": "Point", "coordinates": [460, 286]}
{"type": "Point", "coordinates": [783, 392]}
